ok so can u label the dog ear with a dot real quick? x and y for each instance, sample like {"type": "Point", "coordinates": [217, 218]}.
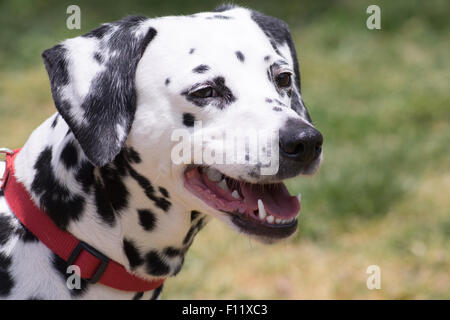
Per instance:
{"type": "Point", "coordinates": [92, 79]}
{"type": "Point", "coordinates": [278, 33]}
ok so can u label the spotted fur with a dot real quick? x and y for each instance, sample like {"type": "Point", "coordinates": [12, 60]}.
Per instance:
{"type": "Point", "coordinates": [101, 168]}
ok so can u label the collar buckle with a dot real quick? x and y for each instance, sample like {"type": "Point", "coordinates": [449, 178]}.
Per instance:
{"type": "Point", "coordinates": [104, 260]}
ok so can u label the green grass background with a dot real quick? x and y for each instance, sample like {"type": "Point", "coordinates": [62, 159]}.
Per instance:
{"type": "Point", "coordinates": [382, 101]}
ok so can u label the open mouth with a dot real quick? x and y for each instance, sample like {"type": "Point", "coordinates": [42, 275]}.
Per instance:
{"type": "Point", "coordinates": [266, 210]}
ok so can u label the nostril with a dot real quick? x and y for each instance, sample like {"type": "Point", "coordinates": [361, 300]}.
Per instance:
{"type": "Point", "coordinates": [318, 148]}
{"type": "Point", "coordinates": [294, 148]}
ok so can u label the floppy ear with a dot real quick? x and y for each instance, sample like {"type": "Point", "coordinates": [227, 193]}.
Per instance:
{"type": "Point", "coordinates": [278, 33]}
{"type": "Point", "coordinates": [92, 78]}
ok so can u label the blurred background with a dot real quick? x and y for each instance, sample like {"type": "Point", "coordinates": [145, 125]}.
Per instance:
{"type": "Point", "coordinates": [382, 101]}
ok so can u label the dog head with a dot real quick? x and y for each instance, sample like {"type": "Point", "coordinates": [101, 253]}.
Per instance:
{"type": "Point", "coordinates": [145, 83]}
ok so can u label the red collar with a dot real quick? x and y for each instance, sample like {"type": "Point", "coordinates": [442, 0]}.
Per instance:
{"type": "Point", "coordinates": [94, 266]}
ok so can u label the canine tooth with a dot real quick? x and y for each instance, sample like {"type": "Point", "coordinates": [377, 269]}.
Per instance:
{"type": "Point", "coordinates": [262, 211]}
{"type": "Point", "coordinates": [278, 220]}
{"type": "Point", "coordinates": [299, 197]}
{"type": "Point", "coordinates": [223, 185]}
{"type": "Point", "coordinates": [214, 175]}
{"type": "Point", "coordinates": [235, 194]}
{"type": "Point", "coordinates": [270, 219]}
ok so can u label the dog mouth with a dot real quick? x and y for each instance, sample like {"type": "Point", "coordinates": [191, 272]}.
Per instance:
{"type": "Point", "coordinates": [265, 210]}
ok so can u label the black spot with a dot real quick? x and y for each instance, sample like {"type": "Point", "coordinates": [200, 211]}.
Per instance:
{"type": "Point", "coordinates": [138, 296]}
{"type": "Point", "coordinates": [98, 57]}
{"type": "Point", "coordinates": [194, 214]}
{"type": "Point", "coordinates": [167, 82]}
{"type": "Point", "coordinates": [132, 253]}
{"type": "Point", "coordinates": [268, 100]}
{"type": "Point", "coordinates": [201, 68]}
{"type": "Point", "coordinates": [133, 155]}
{"type": "Point", "coordinates": [69, 155]}
{"type": "Point", "coordinates": [219, 16]}
{"type": "Point", "coordinates": [111, 194]}
{"type": "Point", "coordinates": [269, 75]}
{"type": "Point", "coordinates": [55, 122]}
{"type": "Point", "coordinates": [188, 119]}
{"type": "Point", "coordinates": [147, 219]}
{"type": "Point", "coordinates": [156, 292]}
{"type": "Point", "coordinates": [5, 261]}
{"type": "Point", "coordinates": [61, 266]}
{"type": "Point", "coordinates": [55, 199]}
{"type": "Point", "coordinates": [266, 58]}
{"type": "Point", "coordinates": [103, 204]}
{"type": "Point", "coordinates": [225, 92]}
{"type": "Point", "coordinates": [190, 235]}
{"type": "Point", "coordinates": [6, 229]}
{"type": "Point", "coordinates": [240, 56]}
{"type": "Point", "coordinates": [277, 109]}
{"type": "Point", "coordinates": [155, 265]}
{"type": "Point", "coordinates": [193, 230]}
{"type": "Point", "coordinates": [149, 191]}
{"type": "Point", "coordinates": [6, 282]}
{"type": "Point", "coordinates": [192, 51]}
{"type": "Point", "coordinates": [172, 252]}
{"type": "Point", "coordinates": [280, 103]}
{"type": "Point", "coordinates": [164, 192]}
{"type": "Point", "coordinates": [85, 175]}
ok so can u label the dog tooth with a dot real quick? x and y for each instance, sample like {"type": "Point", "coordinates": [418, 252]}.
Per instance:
{"type": "Point", "coordinates": [262, 211]}
{"type": "Point", "coordinates": [214, 175]}
{"type": "Point", "coordinates": [223, 185]}
{"type": "Point", "coordinates": [270, 219]}
{"type": "Point", "coordinates": [235, 194]}
{"type": "Point", "coordinates": [299, 197]}
{"type": "Point", "coordinates": [278, 220]}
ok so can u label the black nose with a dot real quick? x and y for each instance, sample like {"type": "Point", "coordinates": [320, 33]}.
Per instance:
{"type": "Point", "coordinates": [300, 141]}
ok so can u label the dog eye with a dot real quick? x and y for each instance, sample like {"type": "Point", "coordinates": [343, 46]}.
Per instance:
{"type": "Point", "coordinates": [207, 92]}
{"type": "Point", "coordinates": [283, 80]}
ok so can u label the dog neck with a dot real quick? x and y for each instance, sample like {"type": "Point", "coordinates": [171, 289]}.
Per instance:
{"type": "Point", "coordinates": [119, 209]}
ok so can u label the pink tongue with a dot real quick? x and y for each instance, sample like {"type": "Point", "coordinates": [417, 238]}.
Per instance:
{"type": "Point", "coordinates": [276, 199]}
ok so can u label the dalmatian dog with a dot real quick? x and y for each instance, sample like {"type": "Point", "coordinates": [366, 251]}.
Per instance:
{"type": "Point", "coordinates": [101, 167]}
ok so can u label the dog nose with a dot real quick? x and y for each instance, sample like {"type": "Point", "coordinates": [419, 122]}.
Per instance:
{"type": "Point", "coordinates": [300, 141]}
